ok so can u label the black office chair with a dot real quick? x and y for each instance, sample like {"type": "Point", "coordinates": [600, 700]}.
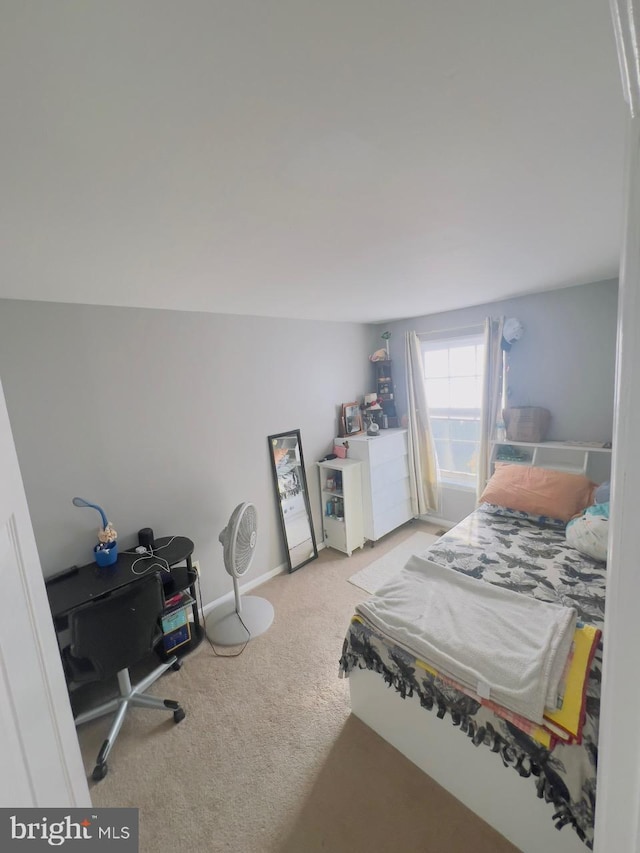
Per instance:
{"type": "Point", "coordinates": [108, 636]}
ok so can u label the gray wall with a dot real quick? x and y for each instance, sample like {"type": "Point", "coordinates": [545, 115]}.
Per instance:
{"type": "Point", "coordinates": [565, 360]}
{"type": "Point", "coordinates": [161, 417]}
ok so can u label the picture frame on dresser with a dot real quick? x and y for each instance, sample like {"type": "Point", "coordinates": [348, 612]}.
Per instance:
{"type": "Point", "coordinates": [351, 419]}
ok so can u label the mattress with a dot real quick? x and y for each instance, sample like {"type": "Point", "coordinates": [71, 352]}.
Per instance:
{"type": "Point", "coordinates": [533, 559]}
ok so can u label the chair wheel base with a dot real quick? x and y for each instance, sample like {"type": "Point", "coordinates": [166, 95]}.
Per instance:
{"type": "Point", "coordinates": [177, 665]}
{"type": "Point", "coordinates": [178, 715]}
{"type": "Point", "coordinates": [99, 771]}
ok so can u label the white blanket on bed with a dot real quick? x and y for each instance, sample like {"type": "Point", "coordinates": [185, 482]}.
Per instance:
{"type": "Point", "coordinates": [501, 644]}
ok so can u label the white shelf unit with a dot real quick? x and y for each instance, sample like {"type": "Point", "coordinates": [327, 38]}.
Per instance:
{"type": "Point", "coordinates": [575, 458]}
{"type": "Point", "coordinates": [385, 479]}
{"type": "Point", "coordinates": [342, 504]}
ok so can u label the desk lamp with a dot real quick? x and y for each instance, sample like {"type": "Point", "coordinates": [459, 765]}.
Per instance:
{"type": "Point", "coordinates": [106, 551]}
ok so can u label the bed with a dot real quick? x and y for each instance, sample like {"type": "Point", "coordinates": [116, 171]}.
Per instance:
{"type": "Point", "coordinates": [435, 725]}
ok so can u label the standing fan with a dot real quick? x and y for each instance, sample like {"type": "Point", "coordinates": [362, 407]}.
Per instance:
{"type": "Point", "coordinates": [252, 615]}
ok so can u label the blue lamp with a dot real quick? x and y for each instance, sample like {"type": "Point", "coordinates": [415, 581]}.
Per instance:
{"type": "Point", "coordinates": [105, 552]}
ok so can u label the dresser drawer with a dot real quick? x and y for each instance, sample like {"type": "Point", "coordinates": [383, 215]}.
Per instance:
{"type": "Point", "coordinates": [396, 491]}
{"type": "Point", "coordinates": [391, 517]}
{"type": "Point", "coordinates": [387, 473]}
{"type": "Point", "coordinates": [387, 445]}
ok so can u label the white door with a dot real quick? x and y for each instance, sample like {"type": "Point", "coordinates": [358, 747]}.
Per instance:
{"type": "Point", "coordinates": [618, 800]}
{"type": "Point", "coordinates": [40, 762]}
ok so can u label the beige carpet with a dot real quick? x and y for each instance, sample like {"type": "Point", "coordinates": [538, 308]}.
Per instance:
{"type": "Point", "coordinates": [268, 759]}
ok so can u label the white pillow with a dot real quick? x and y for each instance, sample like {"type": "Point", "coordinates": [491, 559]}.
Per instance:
{"type": "Point", "coordinates": [589, 535]}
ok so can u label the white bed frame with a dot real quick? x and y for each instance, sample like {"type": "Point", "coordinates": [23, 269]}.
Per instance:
{"type": "Point", "coordinates": [474, 775]}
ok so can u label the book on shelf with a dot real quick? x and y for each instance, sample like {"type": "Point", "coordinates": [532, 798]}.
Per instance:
{"type": "Point", "coordinates": [177, 601]}
{"type": "Point", "coordinates": [177, 637]}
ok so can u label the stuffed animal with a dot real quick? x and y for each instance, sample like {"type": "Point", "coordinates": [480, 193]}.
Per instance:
{"type": "Point", "coordinates": [379, 355]}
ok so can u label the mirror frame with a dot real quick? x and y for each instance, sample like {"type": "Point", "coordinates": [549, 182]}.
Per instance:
{"type": "Point", "coordinates": [292, 435]}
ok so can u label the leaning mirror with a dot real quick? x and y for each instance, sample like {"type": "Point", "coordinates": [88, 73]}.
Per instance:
{"type": "Point", "coordinates": [287, 463]}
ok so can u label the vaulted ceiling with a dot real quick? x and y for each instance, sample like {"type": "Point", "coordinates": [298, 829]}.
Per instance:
{"type": "Point", "coordinates": [345, 159]}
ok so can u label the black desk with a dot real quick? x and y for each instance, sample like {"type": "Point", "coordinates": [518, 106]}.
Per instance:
{"type": "Point", "coordinates": [93, 581]}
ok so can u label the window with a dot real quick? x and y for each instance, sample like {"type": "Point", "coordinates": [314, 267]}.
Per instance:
{"type": "Point", "coordinates": [453, 383]}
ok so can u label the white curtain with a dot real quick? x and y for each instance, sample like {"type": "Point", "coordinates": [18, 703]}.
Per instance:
{"type": "Point", "coordinates": [423, 469]}
{"type": "Point", "coordinates": [491, 395]}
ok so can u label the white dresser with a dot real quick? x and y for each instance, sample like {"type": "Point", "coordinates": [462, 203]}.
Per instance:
{"type": "Point", "coordinates": [386, 501]}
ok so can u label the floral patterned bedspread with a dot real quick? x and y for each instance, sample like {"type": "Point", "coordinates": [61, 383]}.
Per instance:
{"type": "Point", "coordinates": [532, 559]}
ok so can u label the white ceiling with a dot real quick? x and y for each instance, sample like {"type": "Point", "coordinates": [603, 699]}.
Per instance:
{"type": "Point", "coordinates": [354, 159]}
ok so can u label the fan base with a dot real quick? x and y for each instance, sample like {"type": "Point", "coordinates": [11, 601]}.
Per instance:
{"type": "Point", "coordinates": [224, 627]}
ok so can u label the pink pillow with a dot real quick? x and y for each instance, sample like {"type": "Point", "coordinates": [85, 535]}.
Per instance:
{"type": "Point", "coordinates": [539, 491]}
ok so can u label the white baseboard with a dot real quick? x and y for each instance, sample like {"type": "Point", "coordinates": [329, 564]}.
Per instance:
{"type": "Point", "coordinates": [245, 587]}
{"type": "Point", "coordinates": [249, 585]}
